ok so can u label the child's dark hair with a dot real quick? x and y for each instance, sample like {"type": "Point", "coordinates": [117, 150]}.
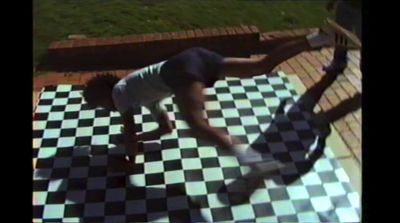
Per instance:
{"type": "Point", "coordinates": [99, 87]}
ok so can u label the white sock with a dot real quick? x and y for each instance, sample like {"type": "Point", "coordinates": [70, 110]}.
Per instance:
{"type": "Point", "coordinates": [319, 39]}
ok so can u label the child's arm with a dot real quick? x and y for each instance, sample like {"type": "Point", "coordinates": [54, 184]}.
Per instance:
{"type": "Point", "coordinates": [129, 133]}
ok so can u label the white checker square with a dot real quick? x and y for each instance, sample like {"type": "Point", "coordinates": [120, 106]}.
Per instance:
{"type": "Point", "coordinates": [260, 196]}
{"type": "Point", "coordinates": [265, 88]}
{"type": "Point", "coordinates": [211, 174]}
{"type": "Point", "coordinates": [290, 136]}
{"type": "Point", "coordinates": [43, 109]}
{"type": "Point", "coordinates": [175, 176]}
{"type": "Point", "coordinates": [284, 207]}
{"type": "Point", "coordinates": [341, 175]}
{"type": "Point", "coordinates": [236, 89]}
{"type": "Point", "coordinates": [297, 192]}
{"type": "Point", "coordinates": [177, 203]}
{"type": "Point", "coordinates": [73, 108]}
{"type": "Point", "coordinates": [39, 198]}
{"type": "Point", "coordinates": [102, 121]}
{"type": "Point", "coordinates": [187, 143]}
{"type": "Point", "coordinates": [53, 211]}
{"type": "Point", "coordinates": [323, 165]}
{"type": "Point", "coordinates": [84, 131]}
{"type": "Point", "coordinates": [86, 114]}
{"type": "Point", "coordinates": [56, 116]}
{"type": "Point", "coordinates": [248, 82]}
{"type": "Point", "coordinates": [63, 88]}
{"type": "Point", "coordinates": [93, 209]}
{"type": "Point", "coordinates": [191, 164]}
{"type": "Point", "coordinates": [170, 154]}
{"type": "Point", "coordinates": [138, 180]}
{"type": "Point", "coordinates": [228, 161]}
{"type": "Point", "coordinates": [96, 183]}
{"type": "Point", "coordinates": [254, 95]}
{"type": "Point", "coordinates": [311, 178]}
{"type": "Point", "coordinates": [217, 122]}
{"type": "Point", "coordinates": [100, 139]}
{"type": "Point", "coordinates": [334, 189]}
{"type": "Point", "coordinates": [272, 102]}
{"type": "Point", "coordinates": [47, 152]}
{"type": "Point", "coordinates": [300, 125]}
{"type": "Point", "coordinates": [321, 204]}
{"type": "Point", "coordinates": [61, 162]}
{"type": "Point", "coordinates": [60, 101]}
{"type": "Point", "coordinates": [308, 217]}
{"type": "Point", "coordinates": [158, 191]}
{"type": "Point", "coordinates": [212, 105]}
{"type": "Point", "coordinates": [236, 130]}
{"type": "Point", "coordinates": [242, 212]}
{"type": "Point", "coordinates": [242, 103]}
{"type": "Point", "coordinates": [261, 111]}
{"type": "Point", "coordinates": [115, 194]}
{"type": "Point", "coordinates": [230, 113]}
{"type": "Point", "coordinates": [75, 94]}
{"type": "Point", "coordinates": [66, 142]}
{"type": "Point", "coordinates": [347, 215]}
{"type": "Point", "coordinates": [225, 97]}
{"type": "Point", "coordinates": [275, 80]}
{"type": "Point", "coordinates": [196, 188]}
{"type": "Point", "coordinates": [217, 200]}
{"type": "Point", "coordinates": [180, 124]}
{"type": "Point", "coordinates": [149, 126]}
{"type": "Point", "coordinates": [354, 199]}
{"type": "Point", "coordinates": [207, 151]}
{"type": "Point", "coordinates": [153, 167]}
{"type": "Point", "coordinates": [249, 120]}
{"type": "Point", "coordinates": [136, 206]}
{"type": "Point", "coordinates": [276, 147]}
{"type": "Point", "coordinates": [38, 125]}
{"type": "Point", "coordinates": [271, 219]}
{"type": "Point", "coordinates": [283, 93]}
{"type": "Point", "coordinates": [67, 124]}
{"type": "Point", "coordinates": [78, 172]}
{"type": "Point", "coordinates": [47, 95]}
{"type": "Point", "coordinates": [209, 91]}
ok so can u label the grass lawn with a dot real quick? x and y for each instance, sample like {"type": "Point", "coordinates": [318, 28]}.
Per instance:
{"type": "Point", "coordinates": [55, 20]}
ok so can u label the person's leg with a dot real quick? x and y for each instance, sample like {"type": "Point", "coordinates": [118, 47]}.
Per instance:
{"type": "Point", "coordinates": [333, 34]}
{"type": "Point", "coordinates": [249, 67]}
{"type": "Point", "coordinates": [346, 17]}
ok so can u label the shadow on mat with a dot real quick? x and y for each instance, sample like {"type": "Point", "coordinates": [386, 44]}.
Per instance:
{"type": "Point", "coordinates": [83, 178]}
{"type": "Point", "coordinates": [310, 146]}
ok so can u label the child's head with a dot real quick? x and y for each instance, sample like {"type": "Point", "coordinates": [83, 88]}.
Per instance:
{"type": "Point", "coordinates": [98, 91]}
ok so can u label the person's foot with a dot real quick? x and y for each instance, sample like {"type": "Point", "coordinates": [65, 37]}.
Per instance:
{"type": "Point", "coordinates": [335, 67]}
{"type": "Point", "coordinates": [332, 34]}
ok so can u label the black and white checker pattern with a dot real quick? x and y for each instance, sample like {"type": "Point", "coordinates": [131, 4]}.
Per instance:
{"type": "Point", "coordinates": [179, 178]}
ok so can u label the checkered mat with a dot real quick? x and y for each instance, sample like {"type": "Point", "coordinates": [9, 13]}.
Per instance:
{"type": "Point", "coordinates": [181, 179]}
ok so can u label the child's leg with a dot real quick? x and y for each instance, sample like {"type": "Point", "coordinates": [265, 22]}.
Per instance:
{"type": "Point", "coordinates": [249, 67]}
